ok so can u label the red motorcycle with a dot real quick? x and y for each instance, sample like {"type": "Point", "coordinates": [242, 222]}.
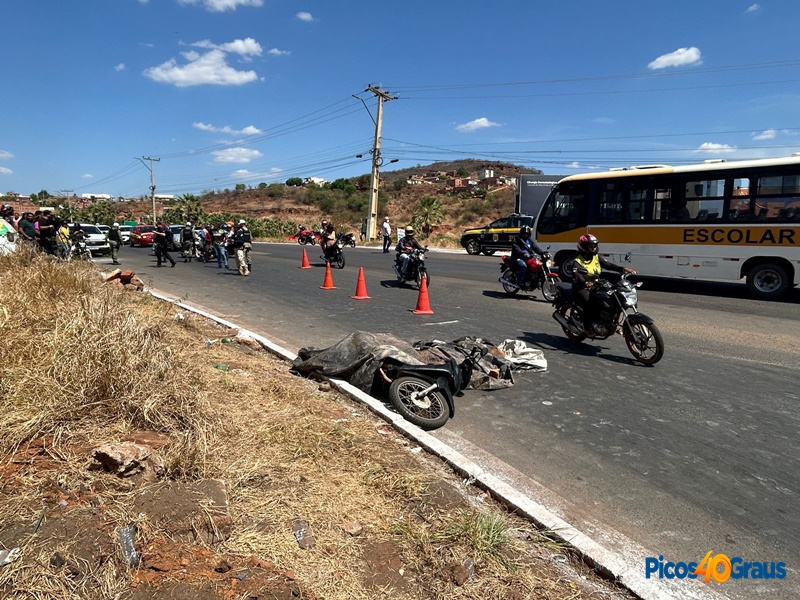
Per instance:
{"type": "Point", "coordinates": [305, 236]}
{"type": "Point", "coordinates": [538, 276]}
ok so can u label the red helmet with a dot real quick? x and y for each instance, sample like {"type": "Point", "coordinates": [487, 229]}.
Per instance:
{"type": "Point", "coordinates": [588, 244]}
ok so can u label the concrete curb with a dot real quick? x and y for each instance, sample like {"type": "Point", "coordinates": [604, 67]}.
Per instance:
{"type": "Point", "coordinates": [609, 564]}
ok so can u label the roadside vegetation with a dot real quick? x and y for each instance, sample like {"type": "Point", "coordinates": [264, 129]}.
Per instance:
{"type": "Point", "coordinates": [266, 485]}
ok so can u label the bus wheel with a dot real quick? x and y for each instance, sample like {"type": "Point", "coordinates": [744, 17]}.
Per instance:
{"type": "Point", "coordinates": [767, 280]}
{"type": "Point", "coordinates": [565, 266]}
{"type": "Point", "coordinates": [473, 247]}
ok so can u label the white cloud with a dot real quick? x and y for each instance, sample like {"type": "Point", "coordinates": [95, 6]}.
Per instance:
{"type": "Point", "coordinates": [223, 5]}
{"type": "Point", "coordinates": [87, 176]}
{"type": "Point", "coordinates": [714, 148]}
{"type": "Point", "coordinates": [120, 67]}
{"type": "Point", "coordinates": [249, 130]}
{"type": "Point", "coordinates": [6, 155]}
{"type": "Point", "coordinates": [753, 8]}
{"type": "Point", "coordinates": [276, 52]}
{"type": "Point", "coordinates": [210, 68]}
{"type": "Point", "coordinates": [143, 1]}
{"type": "Point", "coordinates": [5, 171]}
{"type": "Point", "coordinates": [235, 155]}
{"type": "Point", "coordinates": [481, 123]}
{"type": "Point", "coordinates": [681, 57]}
{"type": "Point", "coordinates": [767, 134]}
{"type": "Point", "coordinates": [305, 16]}
{"type": "Point", "coordinates": [574, 165]}
{"type": "Point", "coordinates": [246, 174]}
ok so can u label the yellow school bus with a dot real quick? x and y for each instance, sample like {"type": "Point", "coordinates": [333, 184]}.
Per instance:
{"type": "Point", "coordinates": [714, 220]}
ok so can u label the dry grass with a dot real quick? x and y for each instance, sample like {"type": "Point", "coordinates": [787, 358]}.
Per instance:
{"type": "Point", "coordinates": [82, 364]}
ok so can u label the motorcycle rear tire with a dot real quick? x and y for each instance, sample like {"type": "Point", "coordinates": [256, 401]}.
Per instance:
{"type": "Point", "coordinates": [428, 413]}
{"type": "Point", "coordinates": [509, 275]}
{"type": "Point", "coordinates": [651, 341]}
{"type": "Point", "coordinates": [302, 241]}
{"type": "Point", "coordinates": [418, 278]}
{"type": "Point", "coordinates": [569, 312]}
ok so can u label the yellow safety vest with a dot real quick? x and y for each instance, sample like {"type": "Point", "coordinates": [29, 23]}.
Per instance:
{"type": "Point", "coordinates": [590, 265]}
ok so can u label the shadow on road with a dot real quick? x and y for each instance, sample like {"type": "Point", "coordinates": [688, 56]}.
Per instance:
{"type": "Point", "coordinates": [714, 289]}
{"type": "Point", "coordinates": [516, 297]}
{"type": "Point", "coordinates": [545, 341]}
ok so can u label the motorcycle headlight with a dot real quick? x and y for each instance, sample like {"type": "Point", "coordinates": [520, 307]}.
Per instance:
{"type": "Point", "coordinates": [549, 263]}
{"type": "Point", "coordinates": [631, 297]}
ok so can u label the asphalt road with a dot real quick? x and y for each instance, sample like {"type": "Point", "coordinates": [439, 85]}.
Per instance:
{"type": "Point", "coordinates": [698, 453]}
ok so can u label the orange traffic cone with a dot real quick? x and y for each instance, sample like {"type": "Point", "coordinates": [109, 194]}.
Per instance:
{"type": "Point", "coordinates": [305, 264]}
{"type": "Point", "coordinates": [423, 304]}
{"type": "Point", "coordinates": [361, 286]}
{"type": "Point", "coordinates": [328, 283]}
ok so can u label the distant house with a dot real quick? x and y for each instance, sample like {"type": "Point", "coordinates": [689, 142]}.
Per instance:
{"type": "Point", "coordinates": [486, 174]}
{"type": "Point", "coordinates": [318, 181]}
{"type": "Point", "coordinates": [97, 197]}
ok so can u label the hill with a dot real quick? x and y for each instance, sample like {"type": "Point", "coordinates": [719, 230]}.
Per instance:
{"type": "Point", "coordinates": [346, 201]}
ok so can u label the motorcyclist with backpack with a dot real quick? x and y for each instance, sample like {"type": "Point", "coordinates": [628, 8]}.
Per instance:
{"type": "Point", "coordinates": [523, 249]}
{"type": "Point", "coordinates": [242, 243]}
{"type": "Point", "coordinates": [586, 270]}
{"type": "Point", "coordinates": [405, 246]}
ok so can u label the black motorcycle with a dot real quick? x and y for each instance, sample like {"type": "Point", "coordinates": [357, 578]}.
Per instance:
{"type": "Point", "coordinates": [416, 270]}
{"type": "Point", "coordinates": [333, 253]}
{"type": "Point", "coordinates": [348, 239]}
{"type": "Point", "coordinates": [615, 307]}
{"type": "Point", "coordinates": [423, 394]}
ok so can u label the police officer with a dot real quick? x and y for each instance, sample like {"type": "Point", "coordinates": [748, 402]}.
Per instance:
{"type": "Point", "coordinates": [243, 243]}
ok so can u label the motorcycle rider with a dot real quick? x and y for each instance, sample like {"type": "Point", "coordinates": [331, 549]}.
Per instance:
{"type": "Point", "coordinates": [327, 240]}
{"type": "Point", "coordinates": [522, 250]}
{"type": "Point", "coordinates": [405, 246]}
{"type": "Point", "coordinates": [586, 270]}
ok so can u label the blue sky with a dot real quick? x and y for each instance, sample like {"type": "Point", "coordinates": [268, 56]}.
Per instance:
{"type": "Point", "coordinates": [245, 91]}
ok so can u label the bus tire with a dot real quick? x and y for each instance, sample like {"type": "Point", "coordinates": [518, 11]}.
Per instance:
{"type": "Point", "coordinates": [564, 262]}
{"type": "Point", "coordinates": [767, 280]}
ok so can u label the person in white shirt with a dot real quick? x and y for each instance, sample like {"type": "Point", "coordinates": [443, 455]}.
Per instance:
{"type": "Point", "coordinates": [386, 229]}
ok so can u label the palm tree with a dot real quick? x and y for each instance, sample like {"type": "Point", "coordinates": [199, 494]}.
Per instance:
{"type": "Point", "coordinates": [427, 214]}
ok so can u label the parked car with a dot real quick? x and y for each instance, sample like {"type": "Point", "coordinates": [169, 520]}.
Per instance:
{"type": "Point", "coordinates": [104, 228]}
{"type": "Point", "coordinates": [125, 233]}
{"type": "Point", "coordinates": [497, 235]}
{"type": "Point", "coordinates": [142, 235]}
{"type": "Point", "coordinates": [176, 235]}
{"type": "Point", "coordinates": [96, 240]}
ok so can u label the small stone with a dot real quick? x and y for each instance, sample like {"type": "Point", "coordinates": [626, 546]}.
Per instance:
{"type": "Point", "coordinates": [222, 566]}
{"type": "Point", "coordinates": [354, 528]}
{"type": "Point", "coordinates": [302, 533]}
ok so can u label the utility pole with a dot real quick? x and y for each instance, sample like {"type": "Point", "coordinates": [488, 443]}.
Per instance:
{"type": "Point", "coordinates": [152, 182]}
{"type": "Point", "coordinates": [377, 161]}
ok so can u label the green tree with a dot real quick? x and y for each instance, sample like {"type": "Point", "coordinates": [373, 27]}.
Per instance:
{"type": "Point", "coordinates": [100, 211]}
{"type": "Point", "coordinates": [427, 213]}
{"type": "Point", "coordinates": [345, 185]}
{"type": "Point", "coordinates": [240, 187]}
{"type": "Point", "coordinates": [262, 186]}
{"type": "Point", "coordinates": [294, 182]}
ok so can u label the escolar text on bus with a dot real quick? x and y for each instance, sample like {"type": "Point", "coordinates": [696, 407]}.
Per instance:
{"type": "Point", "coordinates": [771, 236]}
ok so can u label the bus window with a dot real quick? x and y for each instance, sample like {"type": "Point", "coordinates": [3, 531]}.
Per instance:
{"type": "Point", "coordinates": [564, 209]}
{"type": "Point", "coordinates": [777, 198]}
{"type": "Point", "coordinates": [610, 208]}
{"type": "Point", "coordinates": [661, 202]}
{"type": "Point", "coordinates": [704, 200]}
{"type": "Point", "coordinates": [740, 207]}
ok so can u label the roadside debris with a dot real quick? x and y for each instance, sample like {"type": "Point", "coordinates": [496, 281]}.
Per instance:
{"type": "Point", "coordinates": [127, 537]}
{"type": "Point", "coordinates": [302, 533]}
{"type": "Point", "coordinates": [128, 458]}
{"type": "Point", "coordinates": [9, 556]}
{"type": "Point", "coordinates": [126, 279]}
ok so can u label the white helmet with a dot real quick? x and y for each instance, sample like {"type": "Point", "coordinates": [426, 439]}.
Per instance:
{"type": "Point", "coordinates": [242, 222]}
{"type": "Point", "coordinates": [188, 223]}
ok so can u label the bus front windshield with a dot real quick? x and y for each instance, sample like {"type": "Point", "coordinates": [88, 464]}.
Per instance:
{"type": "Point", "coordinates": [564, 209]}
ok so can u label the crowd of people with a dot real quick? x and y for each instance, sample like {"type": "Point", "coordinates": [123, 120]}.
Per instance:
{"type": "Point", "coordinates": [44, 231]}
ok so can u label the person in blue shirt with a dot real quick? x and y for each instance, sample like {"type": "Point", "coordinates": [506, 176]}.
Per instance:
{"type": "Point", "coordinates": [522, 250]}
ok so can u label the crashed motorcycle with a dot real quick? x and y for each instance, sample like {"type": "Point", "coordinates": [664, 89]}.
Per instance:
{"type": "Point", "coordinates": [423, 394]}
{"type": "Point", "coordinates": [615, 307]}
{"type": "Point", "coordinates": [416, 270]}
{"type": "Point", "coordinates": [538, 276]}
{"type": "Point", "coordinates": [78, 250]}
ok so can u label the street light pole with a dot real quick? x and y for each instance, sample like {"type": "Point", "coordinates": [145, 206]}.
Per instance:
{"type": "Point", "coordinates": [377, 161]}
{"type": "Point", "coordinates": [152, 182]}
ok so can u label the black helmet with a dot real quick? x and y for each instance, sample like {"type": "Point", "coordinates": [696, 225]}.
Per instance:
{"type": "Point", "coordinates": [525, 231]}
{"type": "Point", "coordinates": [588, 244]}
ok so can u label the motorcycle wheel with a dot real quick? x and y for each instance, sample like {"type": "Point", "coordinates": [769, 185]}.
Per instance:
{"type": "Point", "coordinates": [645, 342]}
{"type": "Point", "coordinates": [569, 312]}
{"type": "Point", "coordinates": [338, 261]}
{"type": "Point", "coordinates": [549, 288]}
{"type": "Point", "coordinates": [418, 278]}
{"type": "Point", "coordinates": [429, 412]}
{"type": "Point", "coordinates": [509, 275]}
{"type": "Point", "coordinates": [301, 241]}
{"type": "Point", "coordinates": [353, 244]}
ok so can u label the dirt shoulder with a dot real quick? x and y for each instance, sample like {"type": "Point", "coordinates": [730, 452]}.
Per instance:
{"type": "Point", "coordinates": [245, 482]}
